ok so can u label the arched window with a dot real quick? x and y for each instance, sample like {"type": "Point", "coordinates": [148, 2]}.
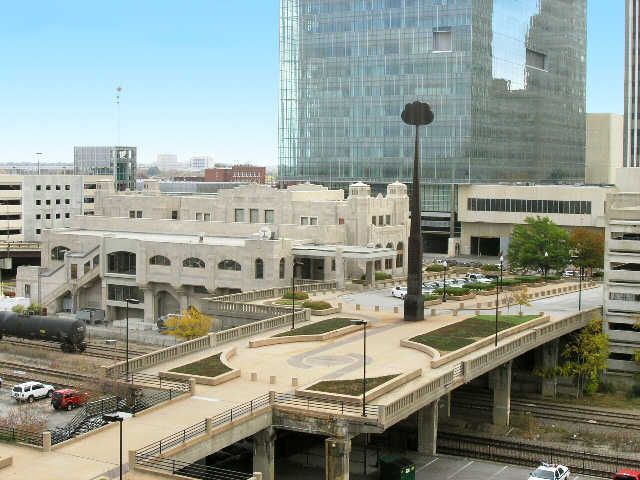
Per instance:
{"type": "Point", "coordinates": [259, 268]}
{"type": "Point", "coordinates": [121, 262]}
{"type": "Point", "coordinates": [57, 253]}
{"type": "Point", "coordinates": [159, 260]}
{"type": "Point", "coordinates": [399, 255]}
{"type": "Point", "coordinates": [193, 262]}
{"type": "Point", "coordinates": [281, 268]}
{"type": "Point", "coordinates": [229, 265]}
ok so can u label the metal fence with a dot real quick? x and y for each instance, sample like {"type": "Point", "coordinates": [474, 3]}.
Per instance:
{"type": "Point", "coordinates": [524, 453]}
{"type": "Point", "coordinates": [11, 434]}
{"type": "Point", "coordinates": [326, 405]}
{"type": "Point", "coordinates": [203, 472]}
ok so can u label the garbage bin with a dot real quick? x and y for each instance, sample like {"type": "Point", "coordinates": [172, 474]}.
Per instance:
{"type": "Point", "coordinates": [394, 467]}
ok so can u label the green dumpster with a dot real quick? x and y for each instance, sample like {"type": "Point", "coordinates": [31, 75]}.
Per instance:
{"type": "Point", "coordinates": [394, 467]}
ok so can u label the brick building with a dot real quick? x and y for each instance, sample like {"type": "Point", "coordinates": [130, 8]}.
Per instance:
{"type": "Point", "coordinates": [236, 173]}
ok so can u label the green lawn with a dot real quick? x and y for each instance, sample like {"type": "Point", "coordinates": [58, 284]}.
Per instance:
{"type": "Point", "coordinates": [349, 387]}
{"type": "Point", "coordinates": [458, 335]}
{"type": "Point", "coordinates": [317, 328]}
{"type": "Point", "coordinates": [207, 367]}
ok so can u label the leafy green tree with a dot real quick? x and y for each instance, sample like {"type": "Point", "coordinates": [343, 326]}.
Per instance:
{"type": "Point", "coordinates": [585, 356]}
{"type": "Point", "coordinates": [588, 246]}
{"type": "Point", "coordinates": [530, 241]}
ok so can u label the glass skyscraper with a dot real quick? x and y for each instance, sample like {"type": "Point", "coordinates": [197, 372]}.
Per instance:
{"type": "Point", "coordinates": [505, 78]}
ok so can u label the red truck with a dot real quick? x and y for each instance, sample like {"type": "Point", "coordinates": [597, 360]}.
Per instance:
{"type": "Point", "coordinates": [627, 475]}
{"type": "Point", "coordinates": [67, 399]}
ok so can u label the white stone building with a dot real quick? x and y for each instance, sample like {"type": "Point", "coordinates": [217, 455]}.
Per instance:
{"type": "Point", "coordinates": [170, 251]}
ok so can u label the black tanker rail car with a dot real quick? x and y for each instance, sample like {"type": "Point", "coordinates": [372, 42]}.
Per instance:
{"type": "Point", "coordinates": [70, 333]}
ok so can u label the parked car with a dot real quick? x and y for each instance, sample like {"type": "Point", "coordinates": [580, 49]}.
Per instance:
{"type": "Point", "coordinates": [68, 399]}
{"type": "Point", "coordinates": [547, 471]}
{"type": "Point", "coordinates": [91, 315]}
{"type": "Point", "coordinates": [457, 282]}
{"type": "Point", "coordinates": [478, 277]}
{"type": "Point", "coordinates": [570, 273]}
{"type": "Point", "coordinates": [627, 475]}
{"type": "Point", "coordinates": [399, 292]}
{"type": "Point", "coordinates": [30, 391]}
{"type": "Point", "coordinates": [161, 323]}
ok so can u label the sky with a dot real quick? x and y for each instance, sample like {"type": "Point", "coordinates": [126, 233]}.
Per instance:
{"type": "Point", "coordinates": [198, 76]}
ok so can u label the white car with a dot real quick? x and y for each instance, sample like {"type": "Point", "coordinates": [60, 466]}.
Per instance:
{"type": "Point", "coordinates": [30, 391]}
{"type": "Point", "coordinates": [399, 292]}
{"type": "Point", "coordinates": [548, 471]}
{"type": "Point", "coordinates": [479, 278]}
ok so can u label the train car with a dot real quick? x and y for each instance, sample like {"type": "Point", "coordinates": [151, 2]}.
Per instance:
{"type": "Point", "coordinates": [70, 333]}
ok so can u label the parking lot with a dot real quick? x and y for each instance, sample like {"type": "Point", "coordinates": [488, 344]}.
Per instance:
{"type": "Point", "coordinates": [38, 409]}
{"type": "Point", "coordinates": [457, 468]}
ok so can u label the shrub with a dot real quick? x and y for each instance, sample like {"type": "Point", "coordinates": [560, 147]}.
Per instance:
{"type": "Point", "coordinates": [431, 296]}
{"type": "Point", "coordinates": [382, 276]}
{"type": "Point", "coordinates": [635, 391]}
{"type": "Point", "coordinates": [490, 267]}
{"type": "Point", "coordinates": [606, 387]}
{"type": "Point", "coordinates": [529, 278]}
{"type": "Point", "coordinates": [297, 294]}
{"type": "Point", "coordinates": [454, 291]}
{"type": "Point", "coordinates": [480, 286]}
{"type": "Point", "coordinates": [9, 293]}
{"type": "Point", "coordinates": [434, 267]}
{"type": "Point", "coordinates": [316, 305]}
{"type": "Point", "coordinates": [598, 274]}
{"type": "Point", "coordinates": [510, 282]}
{"type": "Point", "coordinates": [553, 277]}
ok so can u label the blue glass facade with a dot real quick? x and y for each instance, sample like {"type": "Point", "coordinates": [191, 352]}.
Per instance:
{"type": "Point", "coordinates": [505, 78]}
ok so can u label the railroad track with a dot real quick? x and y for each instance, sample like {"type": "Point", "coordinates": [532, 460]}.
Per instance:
{"type": "Point", "coordinates": [93, 350]}
{"type": "Point", "coordinates": [552, 411]}
{"type": "Point", "coordinates": [42, 372]}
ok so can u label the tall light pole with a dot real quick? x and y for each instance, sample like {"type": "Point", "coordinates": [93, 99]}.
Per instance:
{"type": "Point", "coordinates": [444, 283]}
{"type": "Point", "coordinates": [293, 292]}
{"type": "Point", "coordinates": [117, 417]}
{"type": "Point", "coordinates": [546, 263]}
{"type": "Point", "coordinates": [132, 301]}
{"type": "Point", "coordinates": [498, 290]}
{"type": "Point", "coordinates": [415, 114]}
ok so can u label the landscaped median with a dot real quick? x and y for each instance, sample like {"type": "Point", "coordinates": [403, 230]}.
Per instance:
{"type": "Point", "coordinates": [313, 332]}
{"type": "Point", "coordinates": [350, 391]}
{"type": "Point", "coordinates": [212, 370]}
{"type": "Point", "coordinates": [458, 339]}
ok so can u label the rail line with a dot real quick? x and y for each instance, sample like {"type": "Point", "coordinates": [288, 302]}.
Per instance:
{"type": "Point", "coordinates": [93, 350]}
{"type": "Point", "coordinates": [12, 367]}
{"type": "Point", "coordinates": [552, 411]}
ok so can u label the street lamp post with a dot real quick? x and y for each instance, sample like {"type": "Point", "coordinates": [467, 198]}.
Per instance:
{"type": "Point", "coordinates": [546, 260]}
{"type": "Point", "coordinates": [444, 283]}
{"type": "Point", "coordinates": [132, 301]}
{"type": "Point", "coordinates": [415, 114]}
{"type": "Point", "coordinates": [293, 293]}
{"type": "Point", "coordinates": [498, 290]}
{"type": "Point", "coordinates": [117, 417]}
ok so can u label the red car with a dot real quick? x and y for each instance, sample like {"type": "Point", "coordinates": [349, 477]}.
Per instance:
{"type": "Point", "coordinates": [67, 399]}
{"type": "Point", "coordinates": [627, 475]}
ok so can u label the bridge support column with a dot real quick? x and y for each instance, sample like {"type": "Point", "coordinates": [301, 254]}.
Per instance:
{"type": "Point", "coordinates": [444, 407]}
{"type": "Point", "coordinates": [264, 448]}
{"type": "Point", "coordinates": [500, 381]}
{"type": "Point", "coordinates": [428, 428]}
{"type": "Point", "coordinates": [546, 358]}
{"type": "Point", "coordinates": [340, 267]}
{"type": "Point", "coordinates": [149, 304]}
{"type": "Point", "coordinates": [336, 458]}
{"type": "Point", "coordinates": [370, 273]}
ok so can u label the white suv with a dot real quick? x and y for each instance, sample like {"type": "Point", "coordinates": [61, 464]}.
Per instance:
{"type": "Point", "coordinates": [548, 471]}
{"type": "Point", "coordinates": [30, 391]}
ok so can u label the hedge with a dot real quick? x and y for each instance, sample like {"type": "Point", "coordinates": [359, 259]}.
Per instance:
{"type": "Point", "coordinates": [454, 291]}
{"type": "Point", "coordinates": [480, 286]}
{"type": "Point", "coordinates": [297, 294]}
{"type": "Point", "coordinates": [382, 276]}
{"type": "Point", "coordinates": [434, 267]}
{"type": "Point", "coordinates": [316, 305]}
{"type": "Point", "coordinates": [431, 296]}
{"type": "Point", "coordinates": [490, 267]}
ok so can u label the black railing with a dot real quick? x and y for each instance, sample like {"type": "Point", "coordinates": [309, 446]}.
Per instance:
{"type": "Point", "coordinates": [523, 453]}
{"type": "Point", "coordinates": [154, 381]}
{"type": "Point", "coordinates": [333, 406]}
{"type": "Point", "coordinates": [12, 434]}
{"type": "Point", "coordinates": [199, 471]}
{"type": "Point", "coordinates": [88, 411]}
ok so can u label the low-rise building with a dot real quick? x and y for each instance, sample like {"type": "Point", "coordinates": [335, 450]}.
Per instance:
{"type": "Point", "coordinates": [236, 173]}
{"type": "Point", "coordinates": [170, 251]}
{"type": "Point", "coordinates": [488, 213]}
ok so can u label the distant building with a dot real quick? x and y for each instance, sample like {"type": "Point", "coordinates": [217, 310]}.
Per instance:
{"type": "Point", "coordinates": [604, 152]}
{"type": "Point", "coordinates": [236, 173]}
{"type": "Point", "coordinates": [119, 162]}
{"type": "Point", "coordinates": [631, 82]}
{"type": "Point", "coordinates": [31, 203]}
{"type": "Point", "coordinates": [200, 162]}
{"type": "Point", "coordinates": [168, 161]}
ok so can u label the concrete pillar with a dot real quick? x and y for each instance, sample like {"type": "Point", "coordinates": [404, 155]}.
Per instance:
{"type": "Point", "coordinates": [132, 460]}
{"type": "Point", "coordinates": [183, 298]}
{"type": "Point", "coordinates": [340, 270]}
{"type": "Point", "coordinates": [444, 407]}
{"type": "Point", "coordinates": [149, 305]}
{"type": "Point", "coordinates": [546, 358]}
{"type": "Point", "coordinates": [264, 448]}
{"type": "Point", "coordinates": [46, 441]}
{"type": "Point", "coordinates": [370, 273]}
{"type": "Point", "coordinates": [500, 381]}
{"type": "Point", "coordinates": [336, 458]}
{"type": "Point", "coordinates": [428, 428]}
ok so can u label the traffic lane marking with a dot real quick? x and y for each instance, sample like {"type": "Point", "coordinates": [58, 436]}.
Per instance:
{"type": "Point", "coordinates": [461, 469]}
{"type": "Point", "coordinates": [427, 464]}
